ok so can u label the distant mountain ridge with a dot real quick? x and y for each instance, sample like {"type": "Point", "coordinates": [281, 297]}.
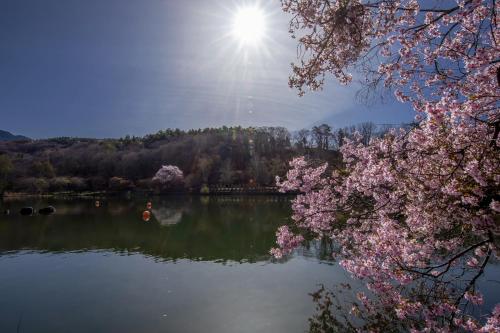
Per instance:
{"type": "Point", "coordinates": [7, 136]}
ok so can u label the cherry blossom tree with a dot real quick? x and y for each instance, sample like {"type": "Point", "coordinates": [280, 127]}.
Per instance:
{"type": "Point", "coordinates": [416, 211]}
{"type": "Point", "coordinates": [168, 177]}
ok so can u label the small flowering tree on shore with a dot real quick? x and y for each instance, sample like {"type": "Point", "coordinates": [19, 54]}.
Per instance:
{"type": "Point", "coordinates": [168, 177]}
{"type": "Point", "coordinates": [416, 212]}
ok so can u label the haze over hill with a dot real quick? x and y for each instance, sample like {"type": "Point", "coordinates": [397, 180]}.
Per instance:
{"type": "Point", "coordinates": [7, 136]}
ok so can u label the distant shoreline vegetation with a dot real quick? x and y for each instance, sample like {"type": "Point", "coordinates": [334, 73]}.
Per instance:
{"type": "Point", "coordinates": [221, 160]}
{"type": "Point", "coordinates": [137, 193]}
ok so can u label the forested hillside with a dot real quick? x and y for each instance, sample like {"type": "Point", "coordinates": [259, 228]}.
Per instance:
{"type": "Point", "coordinates": [211, 156]}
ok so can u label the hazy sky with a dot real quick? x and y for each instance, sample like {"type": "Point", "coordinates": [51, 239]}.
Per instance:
{"type": "Point", "coordinates": [107, 68]}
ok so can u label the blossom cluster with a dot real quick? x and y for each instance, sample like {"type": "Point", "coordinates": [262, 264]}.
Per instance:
{"type": "Point", "coordinates": [168, 175]}
{"type": "Point", "coordinates": [416, 211]}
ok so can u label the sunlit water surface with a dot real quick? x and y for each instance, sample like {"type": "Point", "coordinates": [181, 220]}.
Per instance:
{"type": "Point", "coordinates": [199, 264]}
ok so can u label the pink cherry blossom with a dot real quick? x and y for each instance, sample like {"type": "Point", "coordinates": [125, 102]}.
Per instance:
{"type": "Point", "coordinates": [168, 176]}
{"type": "Point", "coordinates": [416, 209]}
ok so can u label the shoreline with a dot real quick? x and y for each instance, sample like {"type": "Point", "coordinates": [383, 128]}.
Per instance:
{"type": "Point", "coordinates": [105, 194]}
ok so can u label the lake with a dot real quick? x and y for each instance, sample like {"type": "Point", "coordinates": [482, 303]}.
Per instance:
{"type": "Point", "coordinates": [200, 264]}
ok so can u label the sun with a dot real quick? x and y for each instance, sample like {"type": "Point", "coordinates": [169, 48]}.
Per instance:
{"type": "Point", "coordinates": [249, 26]}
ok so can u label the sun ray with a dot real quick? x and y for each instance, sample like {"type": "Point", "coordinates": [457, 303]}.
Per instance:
{"type": "Point", "coordinates": [249, 26]}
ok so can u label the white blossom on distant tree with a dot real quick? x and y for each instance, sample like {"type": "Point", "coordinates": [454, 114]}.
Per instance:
{"type": "Point", "coordinates": [168, 177]}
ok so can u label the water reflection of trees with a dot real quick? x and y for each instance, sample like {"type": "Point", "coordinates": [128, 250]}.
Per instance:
{"type": "Point", "coordinates": [170, 212]}
{"type": "Point", "coordinates": [344, 308]}
{"type": "Point", "coordinates": [338, 310]}
{"type": "Point", "coordinates": [166, 216]}
{"type": "Point", "coordinates": [321, 249]}
{"type": "Point", "coordinates": [198, 228]}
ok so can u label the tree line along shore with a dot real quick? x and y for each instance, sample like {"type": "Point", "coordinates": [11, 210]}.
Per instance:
{"type": "Point", "coordinates": [213, 160]}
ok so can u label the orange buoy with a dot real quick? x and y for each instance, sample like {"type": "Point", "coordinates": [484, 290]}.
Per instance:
{"type": "Point", "coordinates": [146, 215]}
{"type": "Point", "coordinates": [97, 203]}
{"type": "Point", "coordinates": [149, 205]}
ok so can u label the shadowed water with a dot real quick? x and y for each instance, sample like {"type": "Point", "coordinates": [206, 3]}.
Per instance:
{"type": "Point", "coordinates": [199, 265]}
{"type": "Point", "coordinates": [196, 228]}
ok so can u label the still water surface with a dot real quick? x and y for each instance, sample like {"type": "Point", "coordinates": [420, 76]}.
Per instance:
{"type": "Point", "coordinates": [199, 265]}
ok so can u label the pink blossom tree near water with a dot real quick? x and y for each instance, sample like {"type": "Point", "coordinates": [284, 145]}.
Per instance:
{"type": "Point", "coordinates": [416, 211]}
{"type": "Point", "coordinates": [168, 177]}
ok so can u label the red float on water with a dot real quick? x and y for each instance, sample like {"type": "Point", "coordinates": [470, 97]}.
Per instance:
{"type": "Point", "coordinates": [146, 215]}
{"type": "Point", "coordinates": [149, 205]}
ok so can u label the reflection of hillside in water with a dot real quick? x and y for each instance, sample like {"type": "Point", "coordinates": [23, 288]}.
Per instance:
{"type": "Point", "coordinates": [199, 228]}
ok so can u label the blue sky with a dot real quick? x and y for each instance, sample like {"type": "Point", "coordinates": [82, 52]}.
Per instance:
{"type": "Point", "coordinates": [107, 68]}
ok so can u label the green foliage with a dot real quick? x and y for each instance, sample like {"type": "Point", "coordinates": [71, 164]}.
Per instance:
{"type": "Point", "coordinates": [43, 169]}
{"type": "Point", "coordinates": [31, 185]}
{"type": "Point", "coordinates": [204, 189]}
{"type": "Point", "coordinates": [5, 165]}
{"type": "Point", "coordinates": [5, 170]}
{"type": "Point", "coordinates": [120, 184]}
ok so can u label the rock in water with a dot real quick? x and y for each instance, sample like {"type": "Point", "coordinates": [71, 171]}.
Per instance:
{"type": "Point", "coordinates": [47, 210]}
{"type": "Point", "coordinates": [27, 211]}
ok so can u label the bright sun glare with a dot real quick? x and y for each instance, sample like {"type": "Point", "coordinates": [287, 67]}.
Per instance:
{"type": "Point", "coordinates": [249, 25]}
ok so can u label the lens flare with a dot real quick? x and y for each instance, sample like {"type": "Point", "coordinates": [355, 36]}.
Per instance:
{"type": "Point", "coordinates": [249, 25]}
